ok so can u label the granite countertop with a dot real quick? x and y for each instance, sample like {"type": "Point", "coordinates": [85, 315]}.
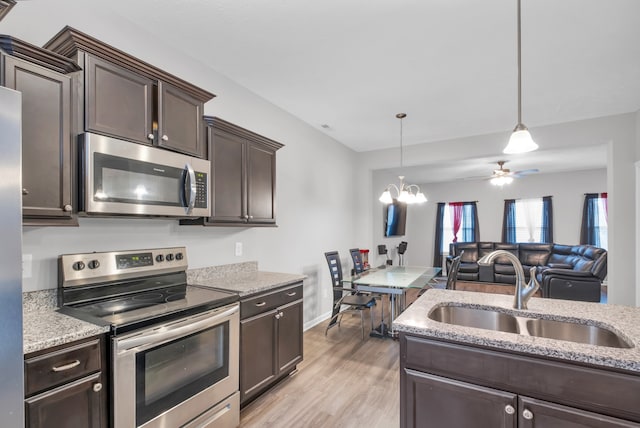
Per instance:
{"type": "Point", "coordinates": [623, 320]}
{"type": "Point", "coordinates": [44, 327]}
{"type": "Point", "coordinates": [248, 283]}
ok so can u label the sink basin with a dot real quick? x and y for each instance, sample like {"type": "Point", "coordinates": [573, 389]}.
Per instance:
{"type": "Point", "coordinates": [478, 318]}
{"type": "Point", "coordinates": [574, 332]}
{"type": "Point", "coordinates": [490, 319]}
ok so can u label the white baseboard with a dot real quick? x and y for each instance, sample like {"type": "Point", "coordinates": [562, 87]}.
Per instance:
{"type": "Point", "coordinates": [314, 322]}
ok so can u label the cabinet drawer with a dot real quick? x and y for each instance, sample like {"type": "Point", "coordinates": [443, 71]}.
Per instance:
{"type": "Point", "coordinates": [267, 301]}
{"type": "Point", "coordinates": [60, 366]}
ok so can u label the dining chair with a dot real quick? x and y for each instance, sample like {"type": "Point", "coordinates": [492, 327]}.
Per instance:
{"type": "Point", "coordinates": [345, 299]}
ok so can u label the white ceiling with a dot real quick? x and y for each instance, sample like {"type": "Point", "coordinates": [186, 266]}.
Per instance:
{"type": "Point", "coordinates": [353, 64]}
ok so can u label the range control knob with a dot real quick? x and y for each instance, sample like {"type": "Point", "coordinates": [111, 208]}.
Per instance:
{"type": "Point", "coordinates": [169, 257]}
{"type": "Point", "coordinates": [93, 264]}
{"type": "Point", "coordinates": [179, 256]}
{"type": "Point", "coordinates": [78, 266]}
{"type": "Point", "coordinates": [159, 258]}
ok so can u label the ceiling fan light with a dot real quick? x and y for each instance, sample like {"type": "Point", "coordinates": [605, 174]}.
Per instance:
{"type": "Point", "coordinates": [501, 180]}
{"type": "Point", "coordinates": [520, 141]}
{"type": "Point", "coordinates": [385, 198]}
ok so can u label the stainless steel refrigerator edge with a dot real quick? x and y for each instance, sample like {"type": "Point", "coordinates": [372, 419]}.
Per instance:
{"type": "Point", "coordinates": [11, 354]}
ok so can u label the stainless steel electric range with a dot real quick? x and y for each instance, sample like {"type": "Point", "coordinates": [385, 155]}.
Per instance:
{"type": "Point", "coordinates": [174, 346]}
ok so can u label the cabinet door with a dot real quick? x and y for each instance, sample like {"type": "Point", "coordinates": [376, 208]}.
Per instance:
{"type": "Point", "coordinates": [261, 184]}
{"type": "Point", "coordinates": [180, 126]}
{"type": "Point", "coordinates": [258, 360]}
{"type": "Point", "coordinates": [290, 336]}
{"type": "Point", "coordinates": [78, 404]}
{"type": "Point", "coordinates": [118, 102]}
{"type": "Point", "coordinates": [542, 414]}
{"type": "Point", "coordinates": [46, 141]}
{"type": "Point", "coordinates": [433, 401]}
{"type": "Point", "coordinates": [228, 182]}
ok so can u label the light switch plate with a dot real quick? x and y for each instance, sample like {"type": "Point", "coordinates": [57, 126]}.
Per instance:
{"type": "Point", "coordinates": [238, 249]}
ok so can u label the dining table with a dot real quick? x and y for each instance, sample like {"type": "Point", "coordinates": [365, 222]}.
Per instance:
{"type": "Point", "coordinates": [393, 281]}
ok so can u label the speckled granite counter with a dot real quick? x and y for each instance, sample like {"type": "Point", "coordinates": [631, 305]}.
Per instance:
{"type": "Point", "coordinates": [43, 327]}
{"type": "Point", "coordinates": [623, 320]}
{"type": "Point", "coordinates": [242, 278]}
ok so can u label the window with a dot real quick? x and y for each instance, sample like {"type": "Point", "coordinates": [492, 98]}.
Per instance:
{"type": "Point", "coordinates": [460, 215]}
{"type": "Point", "coordinates": [594, 230]}
{"type": "Point", "coordinates": [528, 220]}
{"type": "Point", "coordinates": [455, 222]}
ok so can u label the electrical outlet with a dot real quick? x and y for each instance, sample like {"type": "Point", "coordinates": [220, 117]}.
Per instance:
{"type": "Point", "coordinates": [238, 249]}
{"type": "Point", "coordinates": [27, 265]}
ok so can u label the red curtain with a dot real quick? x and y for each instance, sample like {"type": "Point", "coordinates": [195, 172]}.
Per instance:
{"type": "Point", "coordinates": [605, 203]}
{"type": "Point", "coordinates": [456, 218]}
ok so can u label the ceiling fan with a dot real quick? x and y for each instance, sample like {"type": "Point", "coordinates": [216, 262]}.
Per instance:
{"type": "Point", "coordinates": [502, 175]}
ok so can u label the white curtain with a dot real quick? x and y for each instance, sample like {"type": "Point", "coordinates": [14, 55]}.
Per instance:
{"type": "Point", "coordinates": [528, 219]}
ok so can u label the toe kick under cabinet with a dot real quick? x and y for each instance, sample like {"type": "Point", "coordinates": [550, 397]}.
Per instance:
{"type": "Point", "coordinates": [270, 339]}
{"type": "Point", "coordinates": [65, 386]}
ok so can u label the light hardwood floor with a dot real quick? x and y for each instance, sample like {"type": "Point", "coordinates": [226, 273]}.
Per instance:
{"type": "Point", "coordinates": [342, 382]}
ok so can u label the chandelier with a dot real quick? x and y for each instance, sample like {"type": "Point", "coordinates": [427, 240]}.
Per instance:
{"type": "Point", "coordinates": [520, 140]}
{"type": "Point", "coordinates": [407, 193]}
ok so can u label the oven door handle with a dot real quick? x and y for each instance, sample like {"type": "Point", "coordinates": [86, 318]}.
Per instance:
{"type": "Point", "coordinates": [158, 335]}
{"type": "Point", "coordinates": [190, 187]}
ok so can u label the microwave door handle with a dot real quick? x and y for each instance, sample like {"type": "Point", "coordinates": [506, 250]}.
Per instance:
{"type": "Point", "coordinates": [190, 188]}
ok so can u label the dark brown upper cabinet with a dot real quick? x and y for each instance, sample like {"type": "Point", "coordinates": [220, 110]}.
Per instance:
{"type": "Point", "coordinates": [46, 81]}
{"type": "Point", "coordinates": [127, 98]}
{"type": "Point", "coordinates": [243, 176]}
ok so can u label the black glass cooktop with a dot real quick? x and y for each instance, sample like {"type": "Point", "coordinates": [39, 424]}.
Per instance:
{"type": "Point", "coordinates": [137, 309]}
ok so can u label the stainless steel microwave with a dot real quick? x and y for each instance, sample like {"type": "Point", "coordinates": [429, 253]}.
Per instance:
{"type": "Point", "coordinates": [123, 178]}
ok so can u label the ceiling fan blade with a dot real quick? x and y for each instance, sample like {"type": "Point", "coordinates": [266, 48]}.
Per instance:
{"type": "Point", "coordinates": [525, 172]}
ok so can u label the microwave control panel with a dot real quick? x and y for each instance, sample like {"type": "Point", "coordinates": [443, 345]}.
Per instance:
{"type": "Point", "coordinates": [201, 190]}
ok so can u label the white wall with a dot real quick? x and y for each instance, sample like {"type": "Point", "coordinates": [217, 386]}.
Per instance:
{"type": "Point", "coordinates": [567, 189]}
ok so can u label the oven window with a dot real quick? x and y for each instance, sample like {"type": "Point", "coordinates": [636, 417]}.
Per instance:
{"type": "Point", "coordinates": [119, 179]}
{"type": "Point", "coordinates": [173, 372]}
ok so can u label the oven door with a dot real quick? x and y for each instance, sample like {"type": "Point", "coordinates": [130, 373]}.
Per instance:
{"type": "Point", "coordinates": [167, 375]}
{"type": "Point", "coordinates": [132, 179]}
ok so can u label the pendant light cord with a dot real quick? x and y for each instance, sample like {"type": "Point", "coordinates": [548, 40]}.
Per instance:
{"type": "Point", "coordinates": [401, 116]}
{"type": "Point", "coordinates": [519, 69]}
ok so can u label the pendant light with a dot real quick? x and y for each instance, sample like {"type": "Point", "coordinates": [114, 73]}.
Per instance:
{"type": "Point", "coordinates": [520, 141]}
{"type": "Point", "coordinates": [407, 193]}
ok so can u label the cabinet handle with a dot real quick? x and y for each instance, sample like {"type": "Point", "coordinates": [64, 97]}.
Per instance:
{"type": "Point", "coordinates": [246, 217]}
{"type": "Point", "coordinates": [509, 410]}
{"type": "Point", "coordinates": [293, 293]}
{"type": "Point", "coordinates": [251, 217]}
{"type": "Point", "coordinates": [25, 192]}
{"type": "Point", "coordinates": [527, 414]}
{"type": "Point", "coordinates": [277, 316]}
{"type": "Point", "coordinates": [71, 365]}
{"type": "Point", "coordinates": [261, 304]}
{"type": "Point", "coordinates": [150, 136]}
{"type": "Point", "coordinates": [97, 387]}
{"type": "Point", "coordinates": [67, 208]}
{"type": "Point", "coordinates": [165, 137]}
{"type": "Point", "coordinates": [281, 314]}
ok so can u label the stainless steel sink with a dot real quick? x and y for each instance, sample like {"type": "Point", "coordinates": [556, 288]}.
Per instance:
{"type": "Point", "coordinates": [478, 318]}
{"type": "Point", "coordinates": [574, 332]}
{"type": "Point", "coordinates": [490, 319]}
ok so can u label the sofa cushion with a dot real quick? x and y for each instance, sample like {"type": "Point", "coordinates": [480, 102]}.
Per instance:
{"type": "Point", "coordinates": [468, 267]}
{"type": "Point", "coordinates": [507, 269]}
{"type": "Point", "coordinates": [583, 265]}
{"type": "Point", "coordinates": [512, 248]}
{"type": "Point", "coordinates": [485, 248]}
{"type": "Point", "coordinates": [535, 254]}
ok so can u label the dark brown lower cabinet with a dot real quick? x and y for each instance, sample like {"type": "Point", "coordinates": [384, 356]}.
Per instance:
{"type": "Point", "coordinates": [444, 384]}
{"type": "Point", "coordinates": [270, 339]}
{"type": "Point", "coordinates": [65, 386]}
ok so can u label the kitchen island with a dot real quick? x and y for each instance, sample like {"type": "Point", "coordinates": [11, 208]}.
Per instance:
{"type": "Point", "coordinates": [456, 375]}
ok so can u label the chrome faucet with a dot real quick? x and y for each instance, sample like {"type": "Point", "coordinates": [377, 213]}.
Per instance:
{"type": "Point", "coordinates": [522, 294]}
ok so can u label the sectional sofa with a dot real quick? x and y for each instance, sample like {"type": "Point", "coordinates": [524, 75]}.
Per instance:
{"type": "Point", "coordinates": [573, 272]}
